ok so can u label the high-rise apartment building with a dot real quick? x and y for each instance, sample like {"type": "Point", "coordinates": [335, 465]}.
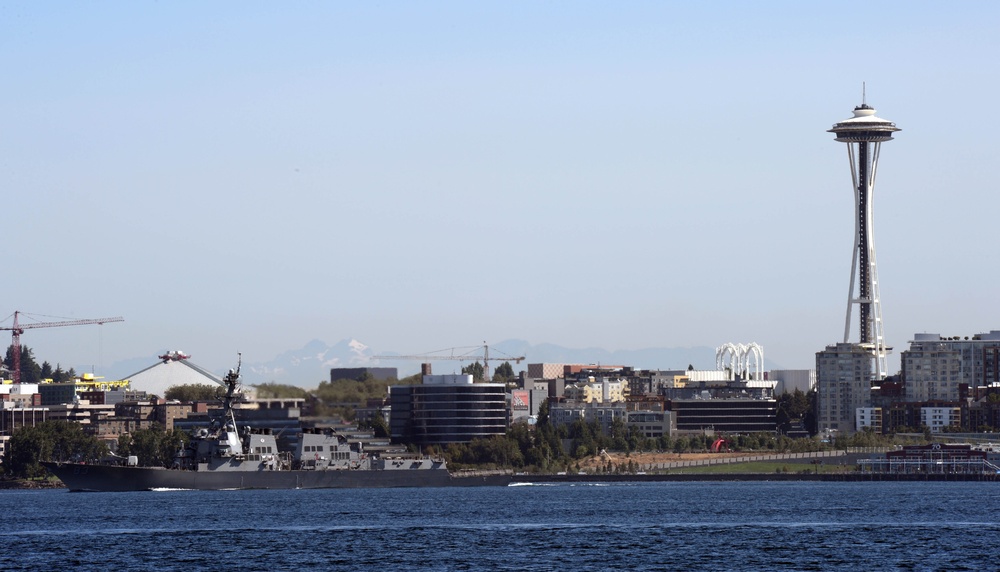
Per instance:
{"type": "Point", "coordinates": [934, 367]}
{"type": "Point", "coordinates": [843, 384]}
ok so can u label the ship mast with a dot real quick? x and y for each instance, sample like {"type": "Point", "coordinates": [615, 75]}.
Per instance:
{"type": "Point", "coordinates": [231, 380]}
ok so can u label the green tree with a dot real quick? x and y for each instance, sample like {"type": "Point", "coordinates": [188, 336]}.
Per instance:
{"type": "Point", "coordinates": [809, 418]}
{"type": "Point", "coordinates": [378, 426]}
{"type": "Point", "coordinates": [476, 370]}
{"type": "Point", "coordinates": [543, 414]}
{"type": "Point", "coordinates": [31, 372]}
{"type": "Point", "coordinates": [153, 447]}
{"type": "Point", "coordinates": [503, 373]}
{"type": "Point", "coordinates": [548, 446]}
{"type": "Point", "coordinates": [497, 451]}
{"type": "Point", "coordinates": [49, 441]}
{"type": "Point", "coordinates": [279, 391]}
{"type": "Point", "coordinates": [619, 435]}
{"type": "Point", "coordinates": [794, 408]}
{"type": "Point", "coordinates": [189, 392]}
{"type": "Point", "coordinates": [59, 375]}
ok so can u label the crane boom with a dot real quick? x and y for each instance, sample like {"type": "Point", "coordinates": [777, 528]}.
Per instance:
{"type": "Point", "coordinates": [452, 358]}
{"type": "Point", "coordinates": [17, 329]}
{"type": "Point", "coordinates": [485, 356]}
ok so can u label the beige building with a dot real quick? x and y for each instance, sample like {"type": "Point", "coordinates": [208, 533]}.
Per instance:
{"type": "Point", "coordinates": [599, 390]}
{"type": "Point", "coordinates": [934, 367]}
{"type": "Point", "coordinates": [545, 370]}
{"type": "Point", "coordinates": [87, 414]}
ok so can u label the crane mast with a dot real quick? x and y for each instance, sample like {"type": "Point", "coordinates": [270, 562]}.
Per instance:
{"type": "Point", "coordinates": [17, 329]}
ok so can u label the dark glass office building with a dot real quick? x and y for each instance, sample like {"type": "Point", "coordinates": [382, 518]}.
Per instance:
{"type": "Point", "coordinates": [439, 413]}
{"type": "Point", "coordinates": [725, 415]}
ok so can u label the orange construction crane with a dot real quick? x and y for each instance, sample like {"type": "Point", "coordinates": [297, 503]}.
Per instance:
{"type": "Point", "coordinates": [463, 357]}
{"type": "Point", "coordinates": [17, 329]}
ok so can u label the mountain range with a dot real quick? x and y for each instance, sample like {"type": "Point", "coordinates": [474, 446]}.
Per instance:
{"type": "Point", "coordinates": [309, 365]}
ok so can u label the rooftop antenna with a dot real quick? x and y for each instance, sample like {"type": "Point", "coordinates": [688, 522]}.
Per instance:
{"type": "Point", "coordinates": [864, 98]}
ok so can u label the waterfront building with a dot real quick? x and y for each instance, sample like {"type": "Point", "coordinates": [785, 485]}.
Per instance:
{"type": "Point", "coordinates": [652, 424]}
{"type": "Point", "coordinates": [14, 416]}
{"type": "Point", "coordinates": [788, 380]}
{"type": "Point", "coordinates": [936, 367]}
{"type": "Point", "coordinates": [982, 415]}
{"type": "Point", "coordinates": [869, 418]}
{"type": "Point", "coordinates": [565, 413]}
{"type": "Point", "coordinates": [843, 384]}
{"type": "Point", "coordinates": [447, 409]}
{"type": "Point", "coordinates": [724, 415]}
{"type": "Point", "coordinates": [939, 418]}
{"type": "Point", "coordinates": [932, 459]}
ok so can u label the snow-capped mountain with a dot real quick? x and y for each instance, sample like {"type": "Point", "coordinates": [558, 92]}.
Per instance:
{"type": "Point", "coordinates": [309, 365]}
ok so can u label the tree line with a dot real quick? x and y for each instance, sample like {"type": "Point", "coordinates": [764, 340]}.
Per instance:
{"type": "Point", "coordinates": [31, 372]}
{"type": "Point", "coordinates": [67, 441]}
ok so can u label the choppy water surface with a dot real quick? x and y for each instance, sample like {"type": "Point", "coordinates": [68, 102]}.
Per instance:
{"type": "Point", "coordinates": [665, 526]}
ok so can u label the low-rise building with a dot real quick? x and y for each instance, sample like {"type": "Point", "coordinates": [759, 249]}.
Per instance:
{"type": "Point", "coordinates": [869, 418]}
{"type": "Point", "coordinates": [565, 413]}
{"type": "Point", "coordinates": [597, 390]}
{"type": "Point", "coordinates": [13, 417]}
{"type": "Point", "coordinates": [651, 424]}
{"type": "Point", "coordinates": [725, 415]}
{"type": "Point", "coordinates": [939, 419]}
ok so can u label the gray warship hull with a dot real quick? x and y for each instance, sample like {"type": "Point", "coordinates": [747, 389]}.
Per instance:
{"type": "Point", "coordinates": [108, 478]}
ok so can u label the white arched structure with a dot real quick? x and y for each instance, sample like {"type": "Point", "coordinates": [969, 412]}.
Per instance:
{"type": "Point", "coordinates": [728, 356]}
{"type": "Point", "coordinates": [755, 351]}
{"type": "Point", "coordinates": [737, 358]}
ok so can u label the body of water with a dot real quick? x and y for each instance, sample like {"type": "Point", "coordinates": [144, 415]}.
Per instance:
{"type": "Point", "coordinates": [647, 526]}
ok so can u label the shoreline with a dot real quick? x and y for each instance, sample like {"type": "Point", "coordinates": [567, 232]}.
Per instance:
{"type": "Point", "coordinates": [28, 484]}
{"type": "Point", "coordinates": [750, 477]}
{"type": "Point", "coordinates": [657, 478]}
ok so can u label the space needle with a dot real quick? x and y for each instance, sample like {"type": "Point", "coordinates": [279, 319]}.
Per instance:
{"type": "Point", "coordinates": [864, 134]}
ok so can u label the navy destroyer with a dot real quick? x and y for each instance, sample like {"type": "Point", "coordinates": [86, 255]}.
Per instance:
{"type": "Point", "coordinates": [221, 457]}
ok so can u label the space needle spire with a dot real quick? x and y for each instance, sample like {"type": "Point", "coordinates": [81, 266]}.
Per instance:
{"type": "Point", "coordinates": [864, 134]}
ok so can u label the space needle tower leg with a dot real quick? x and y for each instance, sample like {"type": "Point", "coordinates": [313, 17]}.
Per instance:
{"type": "Point", "coordinates": [864, 134]}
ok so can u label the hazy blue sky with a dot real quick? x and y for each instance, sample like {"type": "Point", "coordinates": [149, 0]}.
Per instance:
{"type": "Point", "coordinates": [243, 176]}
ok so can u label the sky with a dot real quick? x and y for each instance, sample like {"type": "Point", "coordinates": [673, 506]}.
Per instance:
{"type": "Point", "coordinates": [249, 176]}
